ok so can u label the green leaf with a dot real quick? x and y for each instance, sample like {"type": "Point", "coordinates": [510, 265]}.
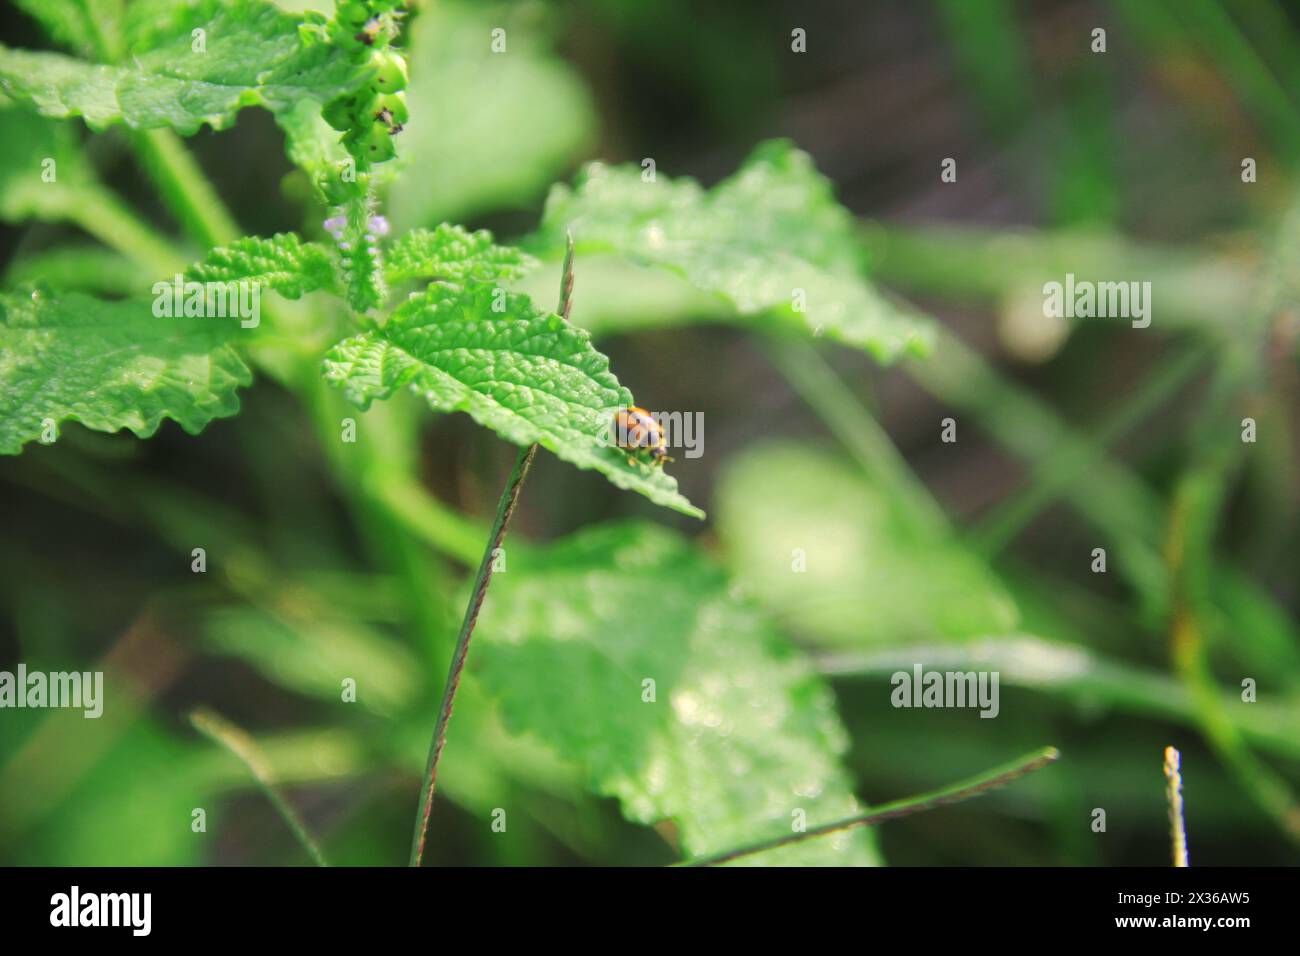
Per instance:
{"type": "Point", "coordinates": [526, 374]}
{"type": "Point", "coordinates": [741, 732]}
{"type": "Point", "coordinates": [253, 56]}
{"type": "Point", "coordinates": [487, 129]}
{"type": "Point", "coordinates": [453, 254]}
{"type": "Point", "coordinates": [759, 240]}
{"type": "Point", "coordinates": [283, 263]}
{"type": "Point", "coordinates": [870, 578]}
{"type": "Point", "coordinates": [110, 365]}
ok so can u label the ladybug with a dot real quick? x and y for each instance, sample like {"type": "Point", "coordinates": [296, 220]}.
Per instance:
{"type": "Point", "coordinates": [635, 429]}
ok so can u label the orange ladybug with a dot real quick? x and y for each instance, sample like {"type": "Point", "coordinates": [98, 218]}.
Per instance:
{"type": "Point", "coordinates": [635, 429]}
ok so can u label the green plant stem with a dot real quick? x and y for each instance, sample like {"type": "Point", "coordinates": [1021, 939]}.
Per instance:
{"type": "Point", "coordinates": [1196, 290]}
{"type": "Point", "coordinates": [1053, 476]}
{"type": "Point", "coordinates": [184, 186]}
{"type": "Point", "coordinates": [1269, 31]}
{"type": "Point", "coordinates": [566, 278]}
{"type": "Point", "coordinates": [992, 58]}
{"type": "Point", "coordinates": [1123, 507]}
{"type": "Point", "coordinates": [954, 793]}
{"type": "Point", "coordinates": [105, 217]}
{"type": "Point", "coordinates": [1196, 506]}
{"type": "Point", "coordinates": [428, 518]}
{"type": "Point", "coordinates": [1076, 673]}
{"type": "Point", "coordinates": [84, 267]}
{"type": "Point", "coordinates": [811, 376]}
{"type": "Point", "coordinates": [1198, 502]}
{"type": "Point", "coordinates": [220, 731]}
{"type": "Point", "coordinates": [1207, 25]}
{"type": "Point", "coordinates": [506, 508]}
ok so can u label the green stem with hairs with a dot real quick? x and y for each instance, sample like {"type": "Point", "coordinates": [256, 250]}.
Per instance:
{"type": "Point", "coordinates": [505, 508]}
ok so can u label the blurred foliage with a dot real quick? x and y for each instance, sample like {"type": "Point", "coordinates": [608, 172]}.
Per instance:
{"type": "Point", "coordinates": [329, 559]}
{"type": "Point", "coordinates": [878, 580]}
{"type": "Point", "coordinates": [771, 241]}
{"type": "Point", "coordinates": [747, 733]}
{"type": "Point", "coordinates": [487, 130]}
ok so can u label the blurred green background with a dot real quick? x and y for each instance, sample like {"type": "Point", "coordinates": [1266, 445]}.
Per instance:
{"type": "Point", "coordinates": [1123, 165]}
